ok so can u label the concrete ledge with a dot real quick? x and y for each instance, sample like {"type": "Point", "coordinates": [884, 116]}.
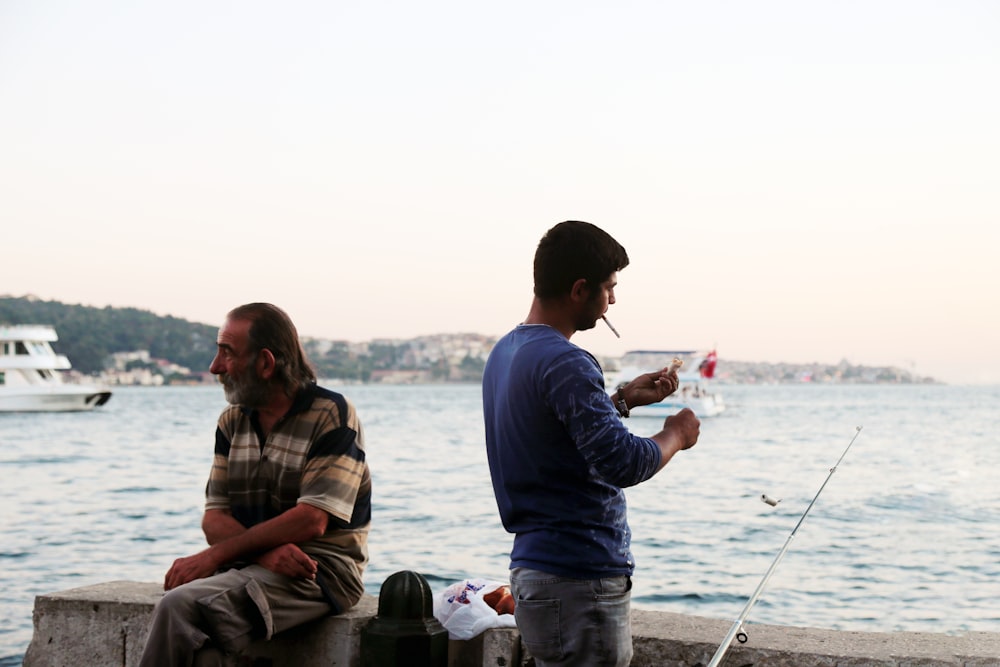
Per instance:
{"type": "Point", "coordinates": [499, 647]}
{"type": "Point", "coordinates": [678, 640]}
{"type": "Point", "coordinates": [105, 624]}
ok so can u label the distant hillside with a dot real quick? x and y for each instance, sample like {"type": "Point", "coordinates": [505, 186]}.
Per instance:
{"type": "Point", "coordinates": [755, 372]}
{"type": "Point", "coordinates": [87, 335]}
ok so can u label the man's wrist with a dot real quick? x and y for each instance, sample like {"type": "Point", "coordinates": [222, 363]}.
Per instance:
{"type": "Point", "coordinates": [620, 404]}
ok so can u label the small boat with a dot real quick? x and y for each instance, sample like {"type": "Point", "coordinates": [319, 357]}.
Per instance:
{"type": "Point", "coordinates": [30, 378]}
{"type": "Point", "coordinates": [694, 391]}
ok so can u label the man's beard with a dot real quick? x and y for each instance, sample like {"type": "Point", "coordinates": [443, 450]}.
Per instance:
{"type": "Point", "coordinates": [588, 320]}
{"type": "Point", "coordinates": [246, 389]}
{"type": "Point", "coordinates": [586, 323]}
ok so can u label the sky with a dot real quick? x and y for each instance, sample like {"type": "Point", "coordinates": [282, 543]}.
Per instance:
{"type": "Point", "coordinates": [793, 181]}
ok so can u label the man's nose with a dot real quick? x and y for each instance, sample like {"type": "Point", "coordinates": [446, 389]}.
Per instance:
{"type": "Point", "coordinates": [216, 367]}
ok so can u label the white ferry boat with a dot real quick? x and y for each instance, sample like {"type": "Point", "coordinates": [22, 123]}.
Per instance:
{"type": "Point", "coordinates": [30, 378]}
{"type": "Point", "coordinates": [694, 391]}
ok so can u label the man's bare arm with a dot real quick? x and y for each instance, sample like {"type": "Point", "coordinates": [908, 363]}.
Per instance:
{"type": "Point", "coordinates": [299, 524]}
{"type": "Point", "coordinates": [220, 525]}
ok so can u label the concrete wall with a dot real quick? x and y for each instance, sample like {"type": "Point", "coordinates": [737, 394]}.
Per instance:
{"type": "Point", "coordinates": [105, 624]}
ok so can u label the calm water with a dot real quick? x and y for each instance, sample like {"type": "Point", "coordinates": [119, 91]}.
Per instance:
{"type": "Point", "coordinates": [904, 537]}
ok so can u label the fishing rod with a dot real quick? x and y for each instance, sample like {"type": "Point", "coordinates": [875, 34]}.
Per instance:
{"type": "Point", "coordinates": [737, 629]}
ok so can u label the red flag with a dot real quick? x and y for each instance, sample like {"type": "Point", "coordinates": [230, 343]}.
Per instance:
{"type": "Point", "coordinates": [707, 366]}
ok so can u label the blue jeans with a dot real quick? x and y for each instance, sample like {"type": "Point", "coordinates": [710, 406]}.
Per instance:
{"type": "Point", "coordinates": [577, 622]}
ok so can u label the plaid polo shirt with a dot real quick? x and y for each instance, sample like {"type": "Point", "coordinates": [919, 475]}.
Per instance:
{"type": "Point", "coordinates": [314, 455]}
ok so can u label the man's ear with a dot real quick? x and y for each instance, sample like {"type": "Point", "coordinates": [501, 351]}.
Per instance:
{"type": "Point", "coordinates": [266, 364]}
{"type": "Point", "coordinates": [580, 290]}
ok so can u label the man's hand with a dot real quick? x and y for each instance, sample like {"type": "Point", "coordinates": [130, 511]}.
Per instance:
{"type": "Point", "coordinates": [198, 566]}
{"type": "Point", "coordinates": [290, 560]}
{"type": "Point", "coordinates": [686, 425]}
{"type": "Point", "coordinates": [272, 542]}
{"type": "Point", "coordinates": [679, 432]}
{"type": "Point", "coordinates": [650, 388]}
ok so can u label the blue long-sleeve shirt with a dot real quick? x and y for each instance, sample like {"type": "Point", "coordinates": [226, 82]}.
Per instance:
{"type": "Point", "coordinates": [559, 456]}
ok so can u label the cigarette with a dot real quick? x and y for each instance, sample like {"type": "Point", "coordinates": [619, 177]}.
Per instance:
{"type": "Point", "coordinates": [675, 365]}
{"type": "Point", "coordinates": [613, 330]}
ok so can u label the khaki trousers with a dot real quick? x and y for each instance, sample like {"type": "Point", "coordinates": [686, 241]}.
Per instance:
{"type": "Point", "coordinates": [211, 621]}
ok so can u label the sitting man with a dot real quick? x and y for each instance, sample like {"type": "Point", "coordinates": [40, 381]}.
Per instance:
{"type": "Point", "coordinates": [288, 504]}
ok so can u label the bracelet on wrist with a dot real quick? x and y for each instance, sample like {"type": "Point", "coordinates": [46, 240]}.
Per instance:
{"type": "Point", "coordinates": [620, 403]}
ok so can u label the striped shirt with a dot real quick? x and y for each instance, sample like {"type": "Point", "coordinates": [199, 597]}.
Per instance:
{"type": "Point", "coordinates": [314, 455]}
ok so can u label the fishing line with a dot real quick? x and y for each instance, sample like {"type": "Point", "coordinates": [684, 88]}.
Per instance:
{"type": "Point", "coordinates": [737, 631]}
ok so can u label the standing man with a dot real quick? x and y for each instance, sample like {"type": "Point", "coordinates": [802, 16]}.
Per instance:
{"type": "Point", "coordinates": [288, 504]}
{"type": "Point", "coordinates": [559, 456]}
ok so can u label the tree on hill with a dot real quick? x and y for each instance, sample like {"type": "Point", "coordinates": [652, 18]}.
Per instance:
{"type": "Point", "coordinates": [88, 335]}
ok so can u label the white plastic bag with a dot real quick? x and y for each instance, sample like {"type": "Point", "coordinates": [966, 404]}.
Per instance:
{"type": "Point", "coordinates": [462, 611]}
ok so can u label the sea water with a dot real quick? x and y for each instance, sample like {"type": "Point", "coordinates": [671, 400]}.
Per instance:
{"type": "Point", "coordinates": [903, 537]}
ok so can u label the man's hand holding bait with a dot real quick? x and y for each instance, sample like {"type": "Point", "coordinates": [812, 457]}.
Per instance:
{"type": "Point", "coordinates": [652, 387]}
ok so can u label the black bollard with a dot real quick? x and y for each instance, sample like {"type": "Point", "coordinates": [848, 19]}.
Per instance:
{"type": "Point", "coordinates": [405, 632]}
